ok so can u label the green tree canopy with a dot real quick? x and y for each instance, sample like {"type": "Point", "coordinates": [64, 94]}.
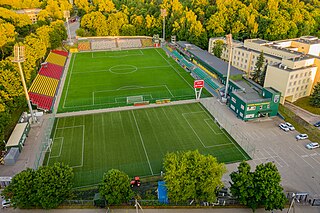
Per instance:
{"type": "Point", "coordinates": [258, 68]}
{"type": "Point", "coordinates": [217, 48]}
{"type": "Point", "coordinates": [115, 187]}
{"type": "Point", "coordinates": [46, 187]}
{"type": "Point", "coordinates": [315, 96]}
{"type": "Point", "coordinates": [261, 187]}
{"type": "Point", "coordinates": [191, 175]}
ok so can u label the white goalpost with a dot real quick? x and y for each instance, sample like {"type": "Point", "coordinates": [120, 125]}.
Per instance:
{"type": "Point", "coordinates": [134, 99]}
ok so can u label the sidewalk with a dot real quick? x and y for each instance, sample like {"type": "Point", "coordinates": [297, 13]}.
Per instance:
{"type": "Point", "coordinates": [304, 114]}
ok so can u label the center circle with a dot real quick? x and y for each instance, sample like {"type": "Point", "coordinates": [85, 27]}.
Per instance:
{"type": "Point", "coordinates": [123, 69]}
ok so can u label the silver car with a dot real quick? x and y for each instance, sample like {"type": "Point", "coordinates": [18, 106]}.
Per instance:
{"type": "Point", "coordinates": [312, 145]}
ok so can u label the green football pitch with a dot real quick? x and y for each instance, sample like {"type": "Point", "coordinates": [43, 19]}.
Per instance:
{"type": "Point", "coordinates": [135, 141]}
{"type": "Point", "coordinates": [117, 78]}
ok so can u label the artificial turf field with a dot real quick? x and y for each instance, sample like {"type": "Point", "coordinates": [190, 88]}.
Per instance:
{"type": "Point", "coordinates": [105, 79]}
{"type": "Point", "coordinates": [135, 141]}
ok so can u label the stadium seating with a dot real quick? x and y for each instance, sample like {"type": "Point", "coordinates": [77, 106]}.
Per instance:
{"type": "Point", "coordinates": [129, 43]}
{"type": "Point", "coordinates": [51, 70]}
{"type": "Point", "coordinates": [44, 85]}
{"type": "Point", "coordinates": [41, 101]}
{"type": "Point", "coordinates": [103, 44]}
{"type": "Point", "coordinates": [60, 52]}
{"type": "Point", "coordinates": [57, 59]}
{"type": "Point", "coordinates": [146, 42]}
{"type": "Point", "coordinates": [84, 46]}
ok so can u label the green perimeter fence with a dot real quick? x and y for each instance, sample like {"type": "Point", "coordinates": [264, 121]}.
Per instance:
{"type": "Point", "coordinates": [232, 128]}
{"type": "Point", "coordinates": [127, 97]}
{"type": "Point", "coordinates": [46, 140]}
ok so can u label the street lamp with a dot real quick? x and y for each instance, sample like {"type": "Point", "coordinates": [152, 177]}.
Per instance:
{"type": "Point", "coordinates": [18, 58]}
{"type": "Point", "coordinates": [229, 44]}
{"type": "Point", "coordinates": [66, 15]}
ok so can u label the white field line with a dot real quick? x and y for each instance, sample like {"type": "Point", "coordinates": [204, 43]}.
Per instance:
{"type": "Point", "coordinates": [54, 135]}
{"type": "Point", "coordinates": [274, 158]}
{"type": "Point", "coordinates": [82, 148]}
{"type": "Point", "coordinates": [145, 151]}
{"type": "Point", "coordinates": [117, 56]}
{"type": "Point", "coordinates": [169, 91]}
{"type": "Point", "coordinates": [309, 155]}
{"type": "Point", "coordinates": [301, 157]}
{"type": "Point", "coordinates": [174, 69]}
{"type": "Point", "coordinates": [210, 116]}
{"type": "Point", "coordinates": [278, 156]}
{"type": "Point", "coordinates": [210, 119]}
{"type": "Point", "coordinates": [66, 94]}
{"type": "Point", "coordinates": [68, 127]}
{"type": "Point", "coordinates": [61, 144]}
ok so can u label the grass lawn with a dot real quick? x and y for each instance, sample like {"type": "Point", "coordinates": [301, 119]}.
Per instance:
{"type": "Point", "coordinates": [304, 104]}
{"type": "Point", "coordinates": [106, 79]}
{"type": "Point", "coordinates": [135, 141]}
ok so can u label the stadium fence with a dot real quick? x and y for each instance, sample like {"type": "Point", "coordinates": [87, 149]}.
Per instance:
{"type": "Point", "coordinates": [231, 128]}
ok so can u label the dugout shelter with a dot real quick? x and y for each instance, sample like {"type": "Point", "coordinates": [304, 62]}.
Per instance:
{"type": "Point", "coordinates": [18, 136]}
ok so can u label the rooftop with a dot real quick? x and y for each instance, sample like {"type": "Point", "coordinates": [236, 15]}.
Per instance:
{"type": "Point", "coordinates": [284, 67]}
{"type": "Point", "coordinates": [16, 134]}
{"type": "Point", "coordinates": [216, 63]}
{"type": "Point", "coordinates": [249, 93]}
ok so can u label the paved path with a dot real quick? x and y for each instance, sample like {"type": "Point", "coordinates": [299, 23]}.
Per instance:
{"type": "Point", "coordinates": [297, 209]}
{"type": "Point", "coordinates": [304, 114]}
{"type": "Point", "coordinates": [116, 109]}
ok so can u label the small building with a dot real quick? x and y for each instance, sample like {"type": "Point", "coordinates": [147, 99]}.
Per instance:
{"type": "Point", "coordinates": [18, 136]}
{"type": "Point", "coordinates": [12, 156]}
{"type": "Point", "coordinates": [32, 13]}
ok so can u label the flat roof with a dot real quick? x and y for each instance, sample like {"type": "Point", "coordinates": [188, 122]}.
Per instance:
{"type": "Point", "coordinates": [16, 134]}
{"type": "Point", "coordinates": [259, 41]}
{"type": "Point", "coordinates": [285, 68]}
{"type": "Point", "coordinates": [216, 63]}
{"type": "Point", "coordinates": [258, 52]}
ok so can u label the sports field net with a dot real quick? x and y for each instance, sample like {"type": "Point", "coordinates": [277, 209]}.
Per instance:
{"type": "Point", "coordinates": [134, 99]}
{"type": "Point", "coordinates": [46, 141]}
{"type": "Point", "coordinates": [223, 122]}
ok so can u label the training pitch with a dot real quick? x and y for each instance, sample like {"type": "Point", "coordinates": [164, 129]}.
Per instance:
{"type": "Point", "coordinates": [135, 141]}
{"type": "Point", "coordinates": [105, 79]}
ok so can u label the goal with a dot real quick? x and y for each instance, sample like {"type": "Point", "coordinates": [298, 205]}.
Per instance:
{"type": "Point", "coordinates": [134, 99]}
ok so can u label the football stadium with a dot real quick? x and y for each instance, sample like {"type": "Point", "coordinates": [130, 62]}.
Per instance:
{"type": "Point", "coordinates": [154, 112]}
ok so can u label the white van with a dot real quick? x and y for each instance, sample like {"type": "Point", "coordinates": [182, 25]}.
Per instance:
{"type": "Point", "coordinates": [6, 203]}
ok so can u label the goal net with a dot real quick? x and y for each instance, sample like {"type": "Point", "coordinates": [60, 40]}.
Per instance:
{"type": "Point", "coordinates": [134, 99]}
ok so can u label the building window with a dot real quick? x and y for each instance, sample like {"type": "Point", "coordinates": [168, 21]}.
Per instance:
{"type": "Point", "coordinates": [301, 88]}
{"type": "Point", "coordinates": [249, 108]}
{"type": "Point", "coordinates": [292, 90]}
{"type": "Point", "coordinates": [306, 87]}
{"type": "Point", "coordinates": [290, 83]}
{"type": "Point", "coordinates": [234, 57]}
{"type": "Point", "coordinates": [304, 93]}
{"type": "Point", "coordinates": [299, 82]}
{"type": "Point", "coordinates": [245, 66]}
{"type": "Point", "coordinates": [232, 107]}
{"type": "Point", "coordinates": [288, 90]}
{"type": "Point", "coordinates": [294, 83]}
{"type": "Point", "coordinates": [233, 100]}
{"type": "Point", "coordinates": [305, 74]}
{"type": "Point", "coordinates": [310, 73]}
{"type": "Point", "coordinates": [241, 114]}
{"type": "Point", "coordinates": [304, 80]}
{"type": "Point", "coordinates": [241, 59]}
{"type": "Point", "coordinates": [291, 77]}
{"type": "Point", "coordinates": [246, 60]}
{"type": "Point", "coordinates": [242, 107]}
{"type": "Point", "coordinates": [297, 88]}
{"type": "Point", "coordinates": [253, 57]}
{"type": "Point", "coordinates": [296, 75]}
{"type": "Point", "coordinates": [268, 106]}
{"type": "Point", "coordinates": [301, 74]}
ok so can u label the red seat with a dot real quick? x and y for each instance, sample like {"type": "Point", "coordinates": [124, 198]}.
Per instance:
{"type": "Point", "coordinates": [51, 70]}
{"type": "Point", "coordinates": [60, 52]}
{"type": "Point", "coordinates": [41, 101]}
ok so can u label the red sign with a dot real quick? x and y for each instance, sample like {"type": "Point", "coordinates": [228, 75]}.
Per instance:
{"type": "Point", "coordinates": [198, 84]}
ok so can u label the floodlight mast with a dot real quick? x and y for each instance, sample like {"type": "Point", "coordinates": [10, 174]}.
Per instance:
{"type": "Point", "coordinates": [229, 44]}
{"type": "Point", "coordinates": [66, 15]}
{"type": "Point", "coordinates": [164, 14]}
{"type": "Point", "coordinates": [18, 58]}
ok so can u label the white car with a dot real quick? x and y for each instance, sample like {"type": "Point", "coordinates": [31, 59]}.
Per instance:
{"type": "Point", "coordinates": [284, 127]}
{"type": "Point", "coordinates": [6, 203]}
{"type": "Point", "coordinates": [312, 145]}
{"type": "Point", "coordinates": [301, 136]}
{"type": "Point", "coordinates": [289, 125]}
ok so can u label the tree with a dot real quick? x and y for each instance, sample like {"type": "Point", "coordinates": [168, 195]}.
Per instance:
{"type": "Point", "coordinates": [261, 187]}
{"type": "Point", "coordinates": [217, 48]}
{"type": "Point", "coordinates": [263, 75]}
{"type": "Point", "coordinates": [115, 187]}
{"type": "Point", "coordinates": [46, 187]}
{"type": "Point", "coordinates": [53, 184]}
{"type": "Point", "coordinates": [315, 96]}
{"type": "Point", "coordinates": [257, 69]}
{"type": "Point", "coordinates": [191, 175]}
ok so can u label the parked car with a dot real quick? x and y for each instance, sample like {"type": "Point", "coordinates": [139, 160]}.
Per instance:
{"type": "Point", "coordinates": [312, 145]}
{"type": "Point", "coordinates": [317, 124]}
{"type": "Point", "coordinates": [289, 125]}
{"type": "Point", "coordinates": [6, 203]}
{"type": "Point", "coordinates": [284, 127]}
{"type": "Point", "coordinates": [301, 136]}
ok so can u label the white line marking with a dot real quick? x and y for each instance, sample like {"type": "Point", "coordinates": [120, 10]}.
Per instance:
{"type": "Point", "coordinates": [61, 144]}
{"type": "Point", "coordinates": [65, 95]}
{"type": "Point", "coordinates": [209, 119]}
{"type": "Point", "coordinates": [145, 151]}
{"type": "Point", "coordinates": [54, 135]}
{"type": "Point", "coordinates": [301, 157]}
{"type": "Point", "coordinates": [278, 156]}
{"type": "Point", "coordinates": [274, 158]}
{"type": "Point", "coordinates": [174, 69]}
{"type": "Point", "coordinates": [309, 155]}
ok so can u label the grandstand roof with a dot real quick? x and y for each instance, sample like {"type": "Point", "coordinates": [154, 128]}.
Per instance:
{"type": "Point", "coordinates": [60, 52]}
{"type": "Point", "coordinates": [214, 62]}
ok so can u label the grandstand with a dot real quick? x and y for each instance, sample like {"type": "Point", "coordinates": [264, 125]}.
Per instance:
{"type": "Point", "coordinates": [103, 44]}
{"type": "Point", "coordinates": [45, 85]}
{"type": "Point", "coordinates": [51, 70]}
{"type": "Point", "coordinates": [129, 43]}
